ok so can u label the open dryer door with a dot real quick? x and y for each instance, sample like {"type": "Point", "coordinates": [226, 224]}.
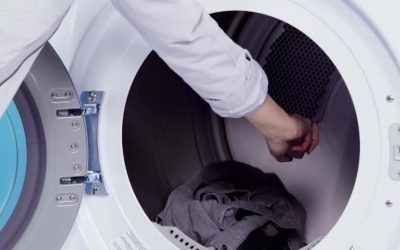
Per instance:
{"type": "Point", "coordinates": [44, 158]}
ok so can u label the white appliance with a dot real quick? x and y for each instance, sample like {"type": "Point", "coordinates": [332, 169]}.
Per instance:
{"type": "Point", "coordinates": [142, 134]}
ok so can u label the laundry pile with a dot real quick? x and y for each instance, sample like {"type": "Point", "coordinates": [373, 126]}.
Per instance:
{"type": "Point", "coordinates": [234, 206]}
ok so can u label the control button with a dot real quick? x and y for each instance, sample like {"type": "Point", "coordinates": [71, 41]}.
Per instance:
{"type": "Point", "coordinates": [396, 152]}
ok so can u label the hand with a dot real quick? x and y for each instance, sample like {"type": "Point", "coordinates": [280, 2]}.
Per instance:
{"type": "Point", "coordinates": [303, 138]}
{"type": "Point", "coordinates": [287, 136]}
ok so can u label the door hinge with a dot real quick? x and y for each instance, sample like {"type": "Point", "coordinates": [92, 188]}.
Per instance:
{"type": "Point", "coordinates": [90, 105]}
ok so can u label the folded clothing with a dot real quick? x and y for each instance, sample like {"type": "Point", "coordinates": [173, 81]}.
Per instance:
{"type": "Point", "coordinates": [226, 203]}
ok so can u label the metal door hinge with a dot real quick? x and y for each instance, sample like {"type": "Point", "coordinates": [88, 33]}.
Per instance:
{"type": "Point", "coordinates": [90, 104]}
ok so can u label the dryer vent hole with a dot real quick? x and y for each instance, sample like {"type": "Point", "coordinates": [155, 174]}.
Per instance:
{"type": "Point", "coordinates": [170, 133]}
{"type": "Point", "coordinates": [183, 241]}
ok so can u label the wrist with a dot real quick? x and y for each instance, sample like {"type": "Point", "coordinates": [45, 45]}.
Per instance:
{"type": "Point", "coordinates": [292, 130]}
{"type": "Point", "coordinates": [286, 130]}
{"type": "Point", "coordinates": [273, 122]}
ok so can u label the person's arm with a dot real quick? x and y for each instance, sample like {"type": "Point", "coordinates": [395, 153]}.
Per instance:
{"type": "Point", "coordinates": [192, 44]}
{"type": "Point", "coordinates": [25, 26]}
{"type": "Point", "coordinates": [220, 71]}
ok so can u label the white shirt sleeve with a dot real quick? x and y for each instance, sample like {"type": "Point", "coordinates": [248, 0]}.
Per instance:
{"type": "Point", "coordinates": [180, 31]}
{"type": "Point", "coordinates": [25, 25]}
{"type": "Point", "coordinates": [193, 45]}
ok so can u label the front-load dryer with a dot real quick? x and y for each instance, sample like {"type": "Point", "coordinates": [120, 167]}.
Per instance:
{"type": "Point", "coordinates": [101, 130]}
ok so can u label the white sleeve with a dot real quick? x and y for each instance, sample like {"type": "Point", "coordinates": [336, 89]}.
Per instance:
{"type": "Point", "coordinates": [193, 45]}
{"type": "Point", "coordinates": [25, 25]}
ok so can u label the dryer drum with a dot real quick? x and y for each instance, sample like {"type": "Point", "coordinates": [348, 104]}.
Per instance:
{"type": "Point", "coordinates": [169, 132]}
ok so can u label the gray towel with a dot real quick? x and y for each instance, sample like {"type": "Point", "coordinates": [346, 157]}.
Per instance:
{"type": "Point", "coordinates": [225, 202]}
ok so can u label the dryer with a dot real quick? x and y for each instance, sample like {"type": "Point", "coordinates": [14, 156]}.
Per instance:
{"type": "Point", "coordinates": [94, 140]}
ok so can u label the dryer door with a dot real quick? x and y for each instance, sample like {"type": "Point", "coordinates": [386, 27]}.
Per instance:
{"type": "Point", "coordinates": [43, 153]}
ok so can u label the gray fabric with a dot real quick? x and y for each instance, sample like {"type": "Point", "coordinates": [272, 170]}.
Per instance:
{"type": "Point", "coordinates": [222, 204]}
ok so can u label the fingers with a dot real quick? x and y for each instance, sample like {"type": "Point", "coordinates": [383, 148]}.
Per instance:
{"type": "Point", "coordinates": [286, 151]}
{"type": "Point", "coordinates": [298, 150]}
{"type": "Point", "coordinates": [308, 145]}
{"type": "Point", "coordinates": [284, 158]}
{"type": "Point", "coordinates": [279, 149]}
{"type": "Point", "coordinates": [303, 145]}
{"type": "Point", "coordinates": [296, 154]}
{"type": "Point", "coordinates": [314, 138]}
